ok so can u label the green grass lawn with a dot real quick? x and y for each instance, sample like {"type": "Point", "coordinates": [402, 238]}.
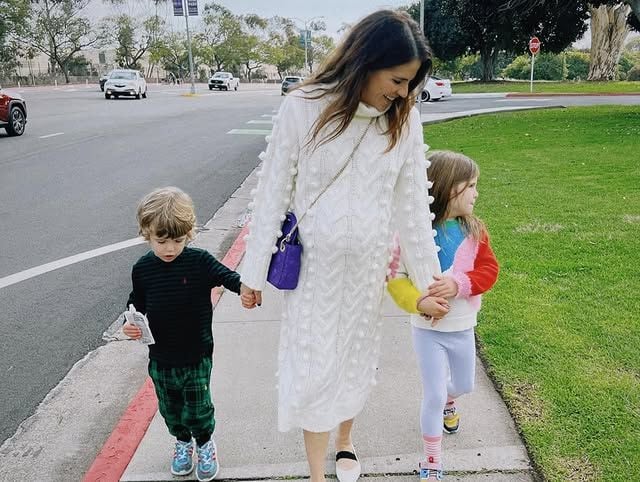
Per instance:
{"type": "Point", "coordinates": [560, 332]}
{"type": "Point", "coordinates": [547, 87]}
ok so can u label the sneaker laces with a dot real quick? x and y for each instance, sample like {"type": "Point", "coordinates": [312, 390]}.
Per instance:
{"type": "Point", "coordinates": [183, 450]}
{"type": "Point", "coordinates": [450, 411]}
{"type": "Point", "coordinates": [206, 454]}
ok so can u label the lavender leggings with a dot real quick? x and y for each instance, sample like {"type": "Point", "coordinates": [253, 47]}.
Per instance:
{"type": "Point", "coordinates": [441, 354]}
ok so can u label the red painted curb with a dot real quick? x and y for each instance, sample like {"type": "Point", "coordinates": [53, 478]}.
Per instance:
{"type": "Point", "coordinates": [118, 450]}
{"type": "Point", "coordinates": [570, 94]}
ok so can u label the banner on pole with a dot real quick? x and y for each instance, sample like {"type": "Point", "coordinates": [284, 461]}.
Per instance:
{"type": "Point", "coordinates": [178, 8]}
{"type": "Point", "coordinates": [192, 8]}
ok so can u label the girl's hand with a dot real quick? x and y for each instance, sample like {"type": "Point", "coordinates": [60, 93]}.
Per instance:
{"type": "Point", "coordinates": [250, 298]}
{"type": "Point", "coordinates": [443, 287]}
{"type": "Point", "coordinates": [434, 307]}
{"type": "Point", "coordinates": [132, 331]}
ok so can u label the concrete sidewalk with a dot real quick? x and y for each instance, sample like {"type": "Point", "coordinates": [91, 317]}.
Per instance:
{"type": "Point", "coordinates": [386, 434]}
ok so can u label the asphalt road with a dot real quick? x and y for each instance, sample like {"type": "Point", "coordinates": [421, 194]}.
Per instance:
{"type": "Point", "coordinates": [77, 190]}
{"type": "Point", "coordinates": [71, 184]}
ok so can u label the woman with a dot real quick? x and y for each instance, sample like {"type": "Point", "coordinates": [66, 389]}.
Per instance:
{"type": "Point", "coordinates": [357, 110]}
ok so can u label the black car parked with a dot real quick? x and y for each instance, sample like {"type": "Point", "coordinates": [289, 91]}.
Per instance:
{"type": "Point", "coordinates": [13, 113]}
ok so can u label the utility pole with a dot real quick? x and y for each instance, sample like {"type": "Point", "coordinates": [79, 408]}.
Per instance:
{"type": "Point", "coordinates": [422, 30]}
{"type": "Point", "coordinates": [306, 37]}
{"type": "Point", "coordinates": [186, 19]}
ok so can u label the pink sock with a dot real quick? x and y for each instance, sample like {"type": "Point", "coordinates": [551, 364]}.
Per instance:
{"type": "Point", "coordinates": [432, 450]}
{"type": "Point", "coordinates": [450, 402]}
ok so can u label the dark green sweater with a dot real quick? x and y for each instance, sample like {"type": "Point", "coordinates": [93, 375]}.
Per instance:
{"type": "Point", "coordinates": [176, 297]}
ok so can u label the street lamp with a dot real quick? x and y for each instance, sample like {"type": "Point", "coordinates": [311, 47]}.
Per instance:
{"type": "Point", "coordinates": [307, 22]}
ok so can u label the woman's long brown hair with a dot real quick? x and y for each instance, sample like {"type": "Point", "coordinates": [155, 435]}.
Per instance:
{"type": "Point", "coordinates": [382, 40]}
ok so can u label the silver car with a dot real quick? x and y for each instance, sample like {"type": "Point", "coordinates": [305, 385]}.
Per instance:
{"type": "Point", "coordinates": [125, 82]}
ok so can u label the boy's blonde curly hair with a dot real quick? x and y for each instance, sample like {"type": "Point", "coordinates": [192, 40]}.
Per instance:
{"type": "Point", "coordinates": [167, 212]}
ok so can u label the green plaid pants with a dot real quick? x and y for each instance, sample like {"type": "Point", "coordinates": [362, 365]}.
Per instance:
{"type": "Point", "coordinates": [184, 399]}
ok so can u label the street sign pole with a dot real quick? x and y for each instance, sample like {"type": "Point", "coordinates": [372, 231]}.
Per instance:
{"type": "Point", "coordinates": [306, 55]}
{"type": "Point", "coordinates": [193, 78]}
{"type": "Point", "coordinates": [533, 61]}
{"type": "Point", "coordinates": [534, 48]}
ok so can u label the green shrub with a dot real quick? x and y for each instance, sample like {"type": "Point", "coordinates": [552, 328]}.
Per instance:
{"type": "Point", "coordinates": [577, 65]}
{"type": "Point", "coordinates": [547, 67]}
{"type": "Point", "coordinates": [634, 73]}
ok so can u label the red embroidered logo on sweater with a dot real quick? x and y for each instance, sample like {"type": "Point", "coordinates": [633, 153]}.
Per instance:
{"type": "Point", "coordinates": [431, 459]}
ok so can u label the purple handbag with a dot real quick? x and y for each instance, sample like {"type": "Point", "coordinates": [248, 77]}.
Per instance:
{"type": "Point", "coordinates": [284, 269]}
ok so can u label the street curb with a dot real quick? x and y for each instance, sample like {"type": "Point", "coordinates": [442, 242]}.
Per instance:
{"type": "Point", "coordinates": [117, 452]}
{"type": "Point", "coordinates": [571, 94]}
{"type": "Point", "coordinates": [467, 114]}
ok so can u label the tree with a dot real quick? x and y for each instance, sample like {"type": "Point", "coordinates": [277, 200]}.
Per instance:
{"type": "Point", "coordinates": [321, 46]}
{"type": "Point", "coordinates": [489, 27]}
{"type": "Point", "coordinates": [58, 30]}
{"type": "Point", "coordinates": [220, 37]}
{"type": "Point", "coordinates": [445, 36]}
{"type": "Point", "coordinates": [609, 30]}
{"type": "Point", "coordinates": [282, 48]}
{"type": "Point", "coordinates": [171, 52]}
{"type": "Point", "coordinates": [132, 37]}
{"type": "Point", "coordinates": [252, 46]}
{"type": "Point", "coordinates": [13, 20]}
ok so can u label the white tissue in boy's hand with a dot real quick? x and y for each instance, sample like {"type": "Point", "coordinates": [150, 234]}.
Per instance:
{"type": "Point", "coordinates": [138, 319]}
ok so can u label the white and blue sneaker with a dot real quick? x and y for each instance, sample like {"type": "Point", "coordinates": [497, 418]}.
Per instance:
{"type": "Point", "coordinates": [182, 463]}
{"type": "Point", "coordinates": [208, 465]}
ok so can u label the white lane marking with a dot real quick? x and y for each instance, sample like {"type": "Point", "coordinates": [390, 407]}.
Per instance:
{"type": "Point", "coordinates": [522, 99]}
{"type": "Point", "coordinates": [52, 135]}
{"type": "Point", "coordinates": [61, 263]}
{"type": "Point", "coordinates": [267, 115]}
{"type": "Point", "coordinates": [260, 122]}
{"type": "Point", "coordinates": [258, 132]}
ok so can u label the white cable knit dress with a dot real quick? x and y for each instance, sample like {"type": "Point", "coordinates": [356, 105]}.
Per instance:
{"type": "Point", "coordinates": [330, 334]}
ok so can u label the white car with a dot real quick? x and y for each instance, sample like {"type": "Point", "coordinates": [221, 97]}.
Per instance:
{"type": "Point", "coordinates": [125, 82]}
{"type": "Point", "coordinates": [223, 80]}
{"type": "Point", "coordinates": [435, 89]}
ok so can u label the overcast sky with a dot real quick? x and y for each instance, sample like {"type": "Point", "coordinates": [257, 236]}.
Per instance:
{"type": "Point", "coordinates": [335, 12]}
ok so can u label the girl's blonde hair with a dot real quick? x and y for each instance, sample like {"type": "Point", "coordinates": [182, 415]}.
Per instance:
{"type": "Point", "coordinates": [166, 212]}
{"type": "Point", "coordinates": [447, 171]}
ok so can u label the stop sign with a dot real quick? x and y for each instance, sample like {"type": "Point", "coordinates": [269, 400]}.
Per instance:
{"type": "Point", "coordinates": [534, 45]}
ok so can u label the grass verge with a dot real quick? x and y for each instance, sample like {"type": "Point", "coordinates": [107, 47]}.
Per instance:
{"type": "Point", "coordinates": [548, 87]}
{"type": "Point", "coordinates": [560, 193]}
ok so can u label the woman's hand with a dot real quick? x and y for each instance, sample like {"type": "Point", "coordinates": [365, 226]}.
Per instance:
{"type": "Point", "coordinates": [250, 298]}
{"type": "Point", "coordinates": [443, 287]}
{"type": "Point", "coordinates": [132, 331]}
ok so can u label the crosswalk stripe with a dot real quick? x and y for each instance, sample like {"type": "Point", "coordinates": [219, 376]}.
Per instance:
{"type": "Point", "coordinates": [260, 122]}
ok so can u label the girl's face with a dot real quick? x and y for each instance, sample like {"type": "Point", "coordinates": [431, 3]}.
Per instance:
{"type": "Point", "coordinates": [386, 85]}
{"type": "Point", "coordinates": [463, 197]}
{"type": "Point", "coordinates": [167, 249]}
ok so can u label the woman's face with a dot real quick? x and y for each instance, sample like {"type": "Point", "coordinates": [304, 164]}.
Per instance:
{"type": "Point", "coordinates": [386, 85]}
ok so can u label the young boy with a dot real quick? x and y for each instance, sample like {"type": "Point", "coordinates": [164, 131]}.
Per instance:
{"type": "Point", "coordinates": [172, 285]}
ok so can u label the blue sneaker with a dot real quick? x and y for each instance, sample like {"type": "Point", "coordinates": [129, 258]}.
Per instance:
{"type": "Point", "coordinates": [182, 463]}
{"type": "Point", "coordinates": [430, 474]}
{"type": "Point", "coordinates": [208, 465]}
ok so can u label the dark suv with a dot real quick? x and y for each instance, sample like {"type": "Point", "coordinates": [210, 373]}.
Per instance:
{"type": "Point", "coordinates": [13, 113]}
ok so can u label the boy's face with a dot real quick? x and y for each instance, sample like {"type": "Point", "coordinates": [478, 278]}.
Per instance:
{"type": "Point", "coordinates": [167, 249]}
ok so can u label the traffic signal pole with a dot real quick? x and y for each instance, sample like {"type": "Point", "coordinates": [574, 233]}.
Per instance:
{"type": "Point", "coordinates": [186, 19]}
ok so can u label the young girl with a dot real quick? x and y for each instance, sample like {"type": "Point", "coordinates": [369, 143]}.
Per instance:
{"type": "Point", "coordinates": [445, 346]}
